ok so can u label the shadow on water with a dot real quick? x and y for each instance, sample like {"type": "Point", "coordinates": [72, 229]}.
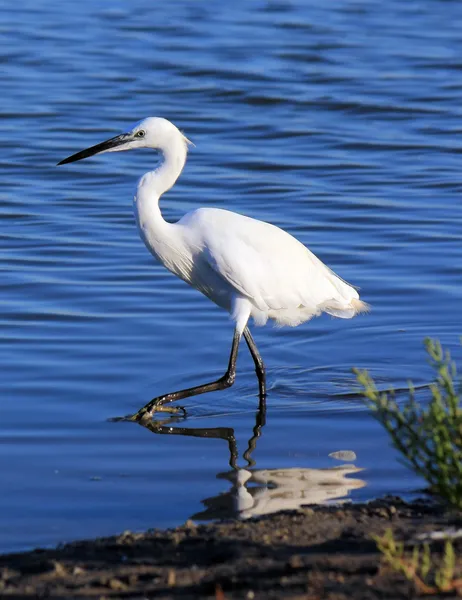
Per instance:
{"type": "Point", "coordinates": [262, 491]}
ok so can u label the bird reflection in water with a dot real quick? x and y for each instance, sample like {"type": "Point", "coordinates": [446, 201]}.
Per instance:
{"type": "Point", "coordinates": [263, 491]}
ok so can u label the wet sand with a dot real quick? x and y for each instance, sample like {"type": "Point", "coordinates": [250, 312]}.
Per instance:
{"type": "Point", "coordinates": [311, 553]}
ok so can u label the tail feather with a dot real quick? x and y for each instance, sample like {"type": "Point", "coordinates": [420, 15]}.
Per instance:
{"type": "Point", "coordinates": [360, 306]}
{"type": "Point", "coordinates": [345, 311]}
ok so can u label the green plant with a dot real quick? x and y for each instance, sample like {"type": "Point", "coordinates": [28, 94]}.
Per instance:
{"type": "Point", "coordinates": [418, 566]}
{"type": "Point", "coordinates": [429, 437]}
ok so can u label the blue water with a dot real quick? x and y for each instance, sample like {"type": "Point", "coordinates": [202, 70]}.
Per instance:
{"type": "Point", "coordinates": [340, 122]}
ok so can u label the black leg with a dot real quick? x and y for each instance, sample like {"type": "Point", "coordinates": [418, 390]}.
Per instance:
{"type": "Point", "coordinates": [157, 404]}
{"type": "Point", "coordinates": [257, 359]}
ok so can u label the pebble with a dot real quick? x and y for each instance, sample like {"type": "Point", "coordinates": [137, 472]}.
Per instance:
{"type": "Point", "coordinates": [295, 562]}
{"type": "Point", "coordinates": [7, 574]}
{"type": "Point", "coordinates": [346, 455]}
{"type": "Point", "coordinates": [60, 570]}
{"type": "Point", "coordinates": [171, 578]}
{"type": "Point", "coordinates": [116, 584]}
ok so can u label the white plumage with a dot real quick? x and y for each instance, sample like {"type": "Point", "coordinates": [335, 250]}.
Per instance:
{"type": "Point", "coordinates": [280, 278]}
{"type": "Point", "coordinates": [230, 257]}
{"type": "Point", "coordinates": [248, 267]}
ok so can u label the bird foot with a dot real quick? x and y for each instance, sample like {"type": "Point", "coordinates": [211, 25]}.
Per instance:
{"type": "Point", "coordinates": [146, 414]}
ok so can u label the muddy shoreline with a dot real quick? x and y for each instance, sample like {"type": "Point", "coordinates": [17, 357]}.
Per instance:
{"type": "Point", "coordinates": [314, 552]}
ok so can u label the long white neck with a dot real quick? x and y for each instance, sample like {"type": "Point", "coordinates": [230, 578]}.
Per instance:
{"type": "Point", "coordinates": [152, 226]}
{"type": "Point", "coordinates": [155, 183]}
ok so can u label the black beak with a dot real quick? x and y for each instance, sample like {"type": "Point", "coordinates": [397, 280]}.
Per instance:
{"type": "Point", "coordinates": [118, 140]}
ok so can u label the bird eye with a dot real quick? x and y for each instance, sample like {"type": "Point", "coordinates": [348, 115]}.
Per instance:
{"type": "Point", "coordinates": [140, 134]}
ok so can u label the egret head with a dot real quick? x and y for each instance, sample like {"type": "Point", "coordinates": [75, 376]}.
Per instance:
{"type": "Point", "coordinates": [153, 132]}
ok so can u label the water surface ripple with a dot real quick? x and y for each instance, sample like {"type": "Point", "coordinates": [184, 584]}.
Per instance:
{"type": "Point", "coordinates": [338, 121]}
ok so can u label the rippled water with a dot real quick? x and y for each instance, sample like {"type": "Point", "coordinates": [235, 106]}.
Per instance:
{"type": "Point", "coordinates": [338, 121]}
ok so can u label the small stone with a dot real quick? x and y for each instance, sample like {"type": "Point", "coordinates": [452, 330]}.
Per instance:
{"type": "Point", "coordinates": [250, 595]}
{"type": "Point", "coordinates": [60, 569]}
{"type": "Point", "coordinates": [295, 562]}
{"type": "Point", "coordinates": [125, 538]}
{"type": "Point", "coordinates": [7, 574]}
{"type": "Point", "coordinates": [344, 455]}
{"type": "Point", "coordinates": [78, 571]}
{"type": "Point", "coordinates": [116, 584]}
{"type": "Point", "coordinates": [190, 524]}
{"type": "Point", "coordinates": [171, 578]}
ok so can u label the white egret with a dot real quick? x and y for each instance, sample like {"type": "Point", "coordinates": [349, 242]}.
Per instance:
{"type": "Point", "coordinates": [248, 267]}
